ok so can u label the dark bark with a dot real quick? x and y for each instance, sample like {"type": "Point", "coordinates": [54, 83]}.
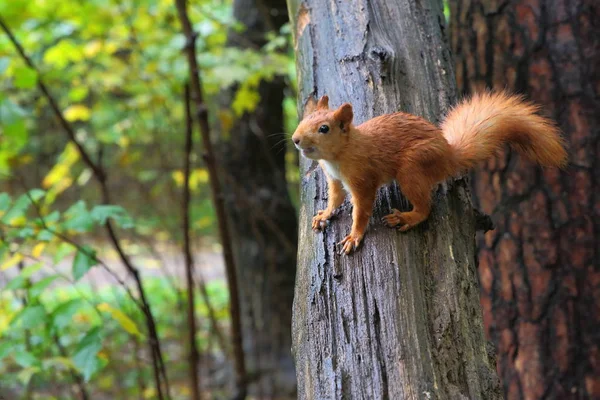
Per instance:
{"type": "Point", "coordinates": [265, 234]}
{"type": "Point", "coordinates": [539, 269]}
{"type": "Point", "coordinates": [194, 355]}
{"type": "Point", "coordinates": [400, 319]}
{"type": "Point", "coordinates": [201, 112]}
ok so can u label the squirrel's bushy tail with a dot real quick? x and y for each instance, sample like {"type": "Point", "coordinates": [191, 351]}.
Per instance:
{"type": "Point", "coordinates": [478, 127]}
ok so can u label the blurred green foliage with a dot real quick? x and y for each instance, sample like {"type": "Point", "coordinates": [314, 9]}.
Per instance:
{"type": "Point", "coordinates": [117, 71]}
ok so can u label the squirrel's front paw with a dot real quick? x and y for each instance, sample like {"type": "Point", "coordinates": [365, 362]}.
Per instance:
{"type": "Point", "coordinates": [351, 242]}
{"type": "Point", "coordinates": [319, 221]}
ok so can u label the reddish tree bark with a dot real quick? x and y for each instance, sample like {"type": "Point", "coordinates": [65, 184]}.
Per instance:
{"type": "Point", "coordinates": [539, 269]}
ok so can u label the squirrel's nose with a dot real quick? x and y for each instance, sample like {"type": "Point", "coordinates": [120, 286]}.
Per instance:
{"type": "Point", "coordinates": [296, 140]}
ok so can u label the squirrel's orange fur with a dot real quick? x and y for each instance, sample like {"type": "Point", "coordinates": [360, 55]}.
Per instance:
{"type": "Point", "coordinates": [416, 153]}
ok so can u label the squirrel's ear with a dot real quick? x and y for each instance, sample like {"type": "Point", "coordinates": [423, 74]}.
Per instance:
{"type": "Point", "coordinates": [323, 103]}
{"type": "Point", "coordinates": [344, 115]}
{"type": "Point", "coordinates": [309, 106]}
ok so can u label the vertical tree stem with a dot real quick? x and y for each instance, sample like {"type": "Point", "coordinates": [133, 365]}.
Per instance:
{"type": "Point", "coordinates": [189, 260]}
{"type": "Point", "coordinates": [217, 198]}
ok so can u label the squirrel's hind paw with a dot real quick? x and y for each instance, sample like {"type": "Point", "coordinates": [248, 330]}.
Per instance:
{"type": "Point", "coordinates": [393, 219]}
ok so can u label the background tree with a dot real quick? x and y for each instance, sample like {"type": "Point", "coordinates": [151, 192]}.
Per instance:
{"type": "Point", "coordinates": [400, 318]}
{"type": "Point", "coordinates": [539, 269]}
{"type": "Point", "coordinates": [72, 318]}
{"type": "Point", "coordinates": [260, 210]}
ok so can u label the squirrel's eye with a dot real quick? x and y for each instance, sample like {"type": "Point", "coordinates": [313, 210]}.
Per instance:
{"type": "Point", "coordinates": [323, 129]}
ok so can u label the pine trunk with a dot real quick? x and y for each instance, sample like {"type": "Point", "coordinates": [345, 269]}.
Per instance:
{"type": "Point", "coordinates": [399, 319]}
{"type": "Point", "coordinates": [540, 269]}
{"type": "Point", "coordinates": [265, 234]}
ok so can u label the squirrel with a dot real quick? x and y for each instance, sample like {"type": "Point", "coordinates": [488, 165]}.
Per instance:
{"type": "Point", "coordinates": [416, 153]}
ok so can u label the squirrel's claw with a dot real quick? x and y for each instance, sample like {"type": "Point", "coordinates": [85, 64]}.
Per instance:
{"type": "Point", "coordinates": [350, 243]}
{"type": "Point", "coordinates": [320, 221]}
{"type": "Point", "coordinates": [393, 219]}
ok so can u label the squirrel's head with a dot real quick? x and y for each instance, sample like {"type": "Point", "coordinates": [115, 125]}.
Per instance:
{"type": "Point", "coordinates": [322, 131]}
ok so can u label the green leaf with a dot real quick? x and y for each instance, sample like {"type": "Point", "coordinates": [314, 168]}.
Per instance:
{"type": "Point", "coordinates": [25, 78]}
{"type": "Point", "coordinates": [37, 194]}
{"type": "Point", "coordinates": [10, 112]}
{"type": "Point", "coordinates": [86, 357]}
{"type": "Point", "coordinates": [37, 288]}
{"type": "Point", "coordinates": [30, 270]}
{"type": "Point", "coordinates": [17, 210]}
{"type": "Point", "coordinates": [17, 282]}
{"type": "Point", "coordinates": [5, 201]}
{"type": "Point", "coordinates": [5, 349]}
{"type": "Point", "coordinates": [84, 260]}
{"type": "Point", "coordinates": [64, 249]}
{"type": "Point", "coordinates": [25, 359]}
{"type": "Point", "coordinates": [58, 363]}
{"type": "Point", "coordinates": [45, 235]}
{"type": "Point", "coordinates": [102, 212]}
{"type": "Point", "coordinates": [78, 93]}
{"type": "Point", "coordinates": [78, 218]}
{"type": "Point", "coordinates": [30, 317]}
{"type": "Point", "coordinates": [63, 314]}
{"type": "Point", "coordinates": [4, 62]}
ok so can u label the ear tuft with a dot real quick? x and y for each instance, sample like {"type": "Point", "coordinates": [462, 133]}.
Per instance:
{"type": "Point", "coordinates": [323, 103]}
{"type": "Point", "coordinates": [344, 115]}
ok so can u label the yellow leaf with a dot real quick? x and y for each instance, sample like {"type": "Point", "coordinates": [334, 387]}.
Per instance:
{"type": "Point", "coordinates": [178, 177]}
{"type": "Point", "coordinates": [18, 221]}
{"type": "Point", "coordinates": [12, 261]}
{"type": "Point", "coordinates": [226, 118]}
{"type": "Point", "coordinates": [81, 317]}
{"type": "Point", "coordinates": [149, 393]}
{"type": "Point", "coordinates": [60, 173]}
{"type": "Point", "coordinates": [204, 222]}
{"type": "Point", "coordinates": [38, 249]}
{"type": "Point", "coordinates": [56, 174]}
{"type": "Point", "coordinates": [198, 176]}
{"type": "Point", "coordinates": [126, 323]}
{"type": "Point", "coordinates": [123, 141]}
{"type": "Point", "coordinates": [77, 112]}
{"type": "Point", "coordinates": [92, 48]}
{"type": "Point", "coordinates": [245, 100]}
{"type": "Point", "coordinates": [111, 47]}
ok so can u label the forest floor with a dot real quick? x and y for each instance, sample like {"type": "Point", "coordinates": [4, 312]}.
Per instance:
{"type": "Point", "coordinates": [165, 263]}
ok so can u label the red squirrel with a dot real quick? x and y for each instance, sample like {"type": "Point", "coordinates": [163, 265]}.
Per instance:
{"type": "Point", "coordinates": [416, 153]}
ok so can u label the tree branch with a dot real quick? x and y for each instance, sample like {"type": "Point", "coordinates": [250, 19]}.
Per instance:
{"type": "Point", "coordinates": [189, 260]}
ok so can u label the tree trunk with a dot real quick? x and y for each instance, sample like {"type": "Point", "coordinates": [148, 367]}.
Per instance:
{"type": "Point", "coordinates": [539, 269]}
{"type": "Point", "coordinates": [399, 319]}
{"type": "Point", "coordinates": [265, 234]}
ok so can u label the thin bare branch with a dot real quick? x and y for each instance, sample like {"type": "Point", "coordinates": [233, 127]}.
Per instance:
{"type": "Point", "coordinates": [187, 251]}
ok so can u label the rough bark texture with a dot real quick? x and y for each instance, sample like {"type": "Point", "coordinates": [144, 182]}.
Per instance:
{"type": "Point", "coordinates": [400, 319]}
{"type": "Point", "coordinates": [265, 234]}
{"type": "Point", "coordinates": [540, 269]}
